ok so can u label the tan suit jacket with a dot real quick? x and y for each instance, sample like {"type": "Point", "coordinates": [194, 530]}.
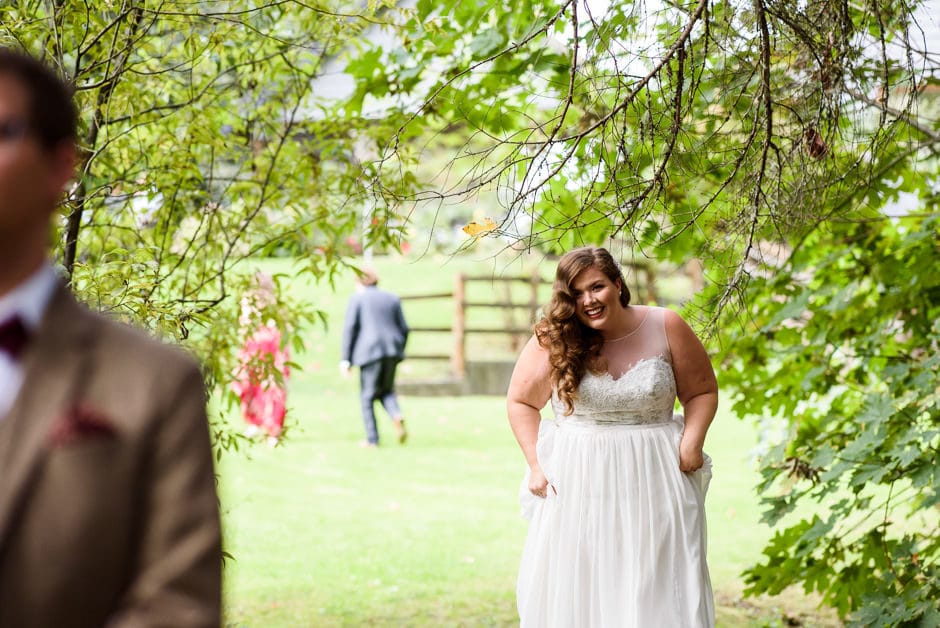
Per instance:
{"type": "Point", "coordinates": [108, 509]}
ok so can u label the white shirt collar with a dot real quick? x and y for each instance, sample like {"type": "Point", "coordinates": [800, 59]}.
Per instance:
{"type": "Point", "coordinates": [30, 299]}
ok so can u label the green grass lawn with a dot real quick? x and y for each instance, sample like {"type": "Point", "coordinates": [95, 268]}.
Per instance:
{"type": "Point", "coordinates": [324, 533]}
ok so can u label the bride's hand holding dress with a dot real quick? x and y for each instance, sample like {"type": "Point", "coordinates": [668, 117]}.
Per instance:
{"type": "Point", "coordinates": [538, 483]}
{"type": "Point", "coordinates": [529, 391]}
{"type": "Point", "coordinates": [696, 388]}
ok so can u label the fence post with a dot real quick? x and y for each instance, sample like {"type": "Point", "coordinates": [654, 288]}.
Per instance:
{"type": "Point", "coordinates": [508, 312]}
{"type": "Point", "coordinates": [458, 359]}
{"type": "Point", "coordinates": [534, 282]}
{"type": "Point", "coordinates": [696, 274]}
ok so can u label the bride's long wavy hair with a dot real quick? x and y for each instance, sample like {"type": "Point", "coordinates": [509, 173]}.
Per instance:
{"type": "Point", "coordinates": [573, 348]}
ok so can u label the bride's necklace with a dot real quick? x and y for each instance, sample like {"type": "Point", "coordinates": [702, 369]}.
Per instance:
{"type": "Point", "coordinates": [622, 337]}
{"type": "Point", "coordinates": [635, 329]}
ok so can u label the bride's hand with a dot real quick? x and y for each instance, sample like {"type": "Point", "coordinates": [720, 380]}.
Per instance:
{"type": "Point", "coordinates": [691, 457]}
{"type": "Point", "coordinates": [538, 483]}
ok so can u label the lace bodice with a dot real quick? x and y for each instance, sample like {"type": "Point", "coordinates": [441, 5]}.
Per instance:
{"type": "Point", "coordinates": [644, 393]}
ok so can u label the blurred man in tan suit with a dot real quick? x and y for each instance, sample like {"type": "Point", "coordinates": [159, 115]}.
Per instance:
{"type": "Point", "coordinates": [108, 510]}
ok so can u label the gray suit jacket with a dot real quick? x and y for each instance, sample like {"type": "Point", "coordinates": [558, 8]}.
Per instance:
{"type": "Point", "coordinates": [108, 509]}
{"type": "Point", "coordinates": [375, 327]}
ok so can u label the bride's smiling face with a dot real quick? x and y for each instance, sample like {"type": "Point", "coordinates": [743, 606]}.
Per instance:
{"type": "Point", "coordinates": [597, 298]}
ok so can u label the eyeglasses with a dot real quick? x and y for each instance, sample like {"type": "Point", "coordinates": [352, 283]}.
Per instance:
{"type": "Point", "coordinates": [13, 130]}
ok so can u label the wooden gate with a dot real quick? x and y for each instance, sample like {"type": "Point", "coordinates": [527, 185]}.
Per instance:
{"type": "Point", "coordinates": [518, 333]}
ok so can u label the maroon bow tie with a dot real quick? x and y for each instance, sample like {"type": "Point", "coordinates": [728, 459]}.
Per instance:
{"type": "Point", "coordinates": [13, 336]}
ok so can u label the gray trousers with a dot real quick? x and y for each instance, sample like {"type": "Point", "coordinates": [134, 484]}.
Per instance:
{"type": "Point", "coordinates": [377, 383]}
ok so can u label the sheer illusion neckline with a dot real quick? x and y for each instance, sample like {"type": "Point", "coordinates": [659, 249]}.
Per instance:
{"type": "Point", "coordinates": [608, 375]}
{"type": "Point", "coordinates": [638, 328]}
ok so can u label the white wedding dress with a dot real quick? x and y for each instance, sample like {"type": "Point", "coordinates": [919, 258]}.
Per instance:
{"type": "Point", "coordinates": [620, 541]}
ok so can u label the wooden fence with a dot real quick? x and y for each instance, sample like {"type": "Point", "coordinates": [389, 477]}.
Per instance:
{"type": "Point", "coordinates": [460, 329]}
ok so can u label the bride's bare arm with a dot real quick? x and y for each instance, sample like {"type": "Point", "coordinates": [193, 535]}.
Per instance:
{"type": "Point", "coordinates": [529, 391]}
{"type": "Point", "coordinates": [696, 388]}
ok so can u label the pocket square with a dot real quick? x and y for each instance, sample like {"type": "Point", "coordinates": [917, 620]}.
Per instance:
{"type": "Point", "coordinates": [80, 423]}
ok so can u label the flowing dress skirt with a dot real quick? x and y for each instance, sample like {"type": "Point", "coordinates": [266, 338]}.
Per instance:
{"type": "Point", "coordinates": [622, 542]}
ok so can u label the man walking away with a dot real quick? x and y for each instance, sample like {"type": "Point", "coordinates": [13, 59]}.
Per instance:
{"type": "Point", "coordinates": [374, 337]}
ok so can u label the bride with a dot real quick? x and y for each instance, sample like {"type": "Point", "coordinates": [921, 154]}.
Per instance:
{"type": "Point", "coordinates": [616, 484]}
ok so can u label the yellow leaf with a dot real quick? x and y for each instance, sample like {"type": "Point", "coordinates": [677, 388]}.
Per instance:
{"type": "Point", "coordinates": [476, 229]}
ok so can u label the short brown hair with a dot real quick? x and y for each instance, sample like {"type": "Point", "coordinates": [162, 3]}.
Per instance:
{"type": "Point", "coordinates": [53, 117]}
{"type": "Point", "coordinates": [368, 277]}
